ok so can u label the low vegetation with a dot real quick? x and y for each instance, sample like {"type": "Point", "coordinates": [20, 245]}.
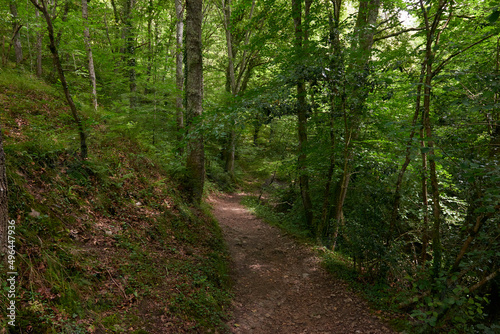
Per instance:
{"type": "Point", "coordinates": [107, 244]}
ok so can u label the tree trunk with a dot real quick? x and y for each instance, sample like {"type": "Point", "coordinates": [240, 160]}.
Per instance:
{"type": "Point", "coordinates": [4, 213]}
{"type": "Point", "coordinates": [495, 116]}
{"type": "Point", "coordinates": [16, 29]}
{"type": "Point", "coordinates": [86, 37]}
{"type": "Point", "coordinates": [39, 40]}
{"type": "Point", "coordinates": [425, 196]}
{"type": "Point", "coordinates": [256, 130]}
{"type": "Point", "coordinates": [397, 193]}
{"type": "Point", "coordinates": [336, 102]}
{"type": "Point", "coordinates": [432, 40]}
{"type": "Point", "coordinates": [231, 153]}
{"type": "Point", "coordinates": [179, 73]}
{"type": "Point", "coordinates": [302, 117]}
{"type": "Point", "coordinates": [57, 64]}
{"type": "Point", "coordinates": [231, 84]}
{"type": "Point", "coordinates": [129, 38]}
{"type": "Point", "coordinates": [195, 163]}
{"type": "Point", "coordinates": [365, 23]}
{"type": "Point", "coordinates": [236, 83]}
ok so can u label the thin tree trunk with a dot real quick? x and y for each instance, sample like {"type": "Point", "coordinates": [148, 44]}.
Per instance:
{"type": "Point", "coordinates": [302, 118]}
{"type": "Point", "coordinates": [494, 151]}
{"type": "Point", "coordinates": [231, 149]}
{"type": "Point", "coordinates": [323, 223]}
{"type": "Point", "coordinates": [57, 63]}
{"type": "Point", "coordinates": [397, 193]}
{"type": "Point", "coordinates": [229, 41]}
{"type": "Point", "coordinates": [235, 84]}
{"type": "Point", "coordinates": [195, 163]}
{"type": "Point", "coordinates": [366, 20]}
{"type": "Point", "coordinates": [150, 48]}
{"type": "Point", "coordinates": [344, 182]}
{"type": "Point", "coordinates": [179, 72]}
{"type": "Point", "coordinates": [129, 38]}
{"type": "Point", "coordinates": [337, 62]}
{"type": "Point", "coordinates": [39, 40]}
{"type": "Point", "coordinates": [432, 39]}
{"type": "Point", "coordinates": [16, 40]}
{"type": "Point", "coordinates": [86, 37]}
{"type": "Point", "coordinates": [425, 196]}
{"type": "Point", "coordinates": [4, 54]}
{"type": "Point", "coordinates": [256, 130]}
{"type": "Point", "coordinates": [473, 232]}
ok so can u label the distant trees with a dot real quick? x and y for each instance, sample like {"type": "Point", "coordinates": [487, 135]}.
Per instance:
{"type": "Point", "coordinates": [88, 46]}
{"type": "Point", "coordinates": [301, 51]}
{"type": "Point", "coordinates": [16, 30]}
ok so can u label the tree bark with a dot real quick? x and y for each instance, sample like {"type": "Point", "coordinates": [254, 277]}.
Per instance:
{"type": "Point", "coordinates": [495, 116]}
{"type": "Point", "coordinates": [57, 64]}
{"type": "Point", "coordinates": [231, 149]}
{"type": "Point", "coordinates": [425, 195]}
{"type": "Point", "coordinates": [195, 163]}
{"type": "Point", "coordinates": [86, 37]}
{"type": "Point", "coordinates": [4, 213]}
{"type": "Point", "coordinates": [129, 38]}
{"type": "Point", "coordinates": [302, 117]}
{"type": "Point", "coordinates": [179, 72]}
{"type": "Point", "coordinates": [337, 66]}
{"type": "Point", "coordinates": [16, 38]}
{"type": "Point", "coordinates": [365, 23]}
{"type": "Point", "coordinates": [236, 83]}
{"type": "Point", "coordinates": [473, 232]}
{"type": "Point", "coordinates": [39, 40]}
{"type": "Point", "coordinates": [432, 39]}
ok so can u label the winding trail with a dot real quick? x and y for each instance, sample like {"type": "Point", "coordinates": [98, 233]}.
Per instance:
{"type": "Point", "coordinates": [280, 286]}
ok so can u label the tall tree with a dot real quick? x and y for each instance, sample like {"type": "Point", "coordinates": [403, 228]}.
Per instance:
{"type": "Point", "coordinates": [39, 39]}
{"type": "Point", "coordinates": [302, 113]}
{"type": "Point", "coordinates": [194, 94]}
{"type": "Point", "coordinates": [179, 72]}
{"type": "Point", "coordinates": [16, 32]}
{"type": "Point", "coordinates": [356, 93]}
{"type": "Point", "coordinates": [129, 42]}
{"type": "Point", "coordinates": [239, 70]}
{"type": "Point", "coordinates": [42, 7]}
{"type": "Point", "coordinates": [88, 46]}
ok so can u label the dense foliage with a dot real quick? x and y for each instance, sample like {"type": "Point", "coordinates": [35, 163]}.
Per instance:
{"type": "Point", "coordinates": [375, 123]}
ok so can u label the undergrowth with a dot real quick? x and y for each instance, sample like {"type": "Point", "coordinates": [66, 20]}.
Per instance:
{"type": "Point", "coordinates": [106, 245]}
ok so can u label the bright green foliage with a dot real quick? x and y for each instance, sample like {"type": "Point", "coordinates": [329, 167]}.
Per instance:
{"type": "Point", "coordinates": [361, 128]}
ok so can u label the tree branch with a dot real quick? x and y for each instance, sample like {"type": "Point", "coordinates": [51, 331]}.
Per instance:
{"type": "Point", "coordinates": [444, 62]}
{"type": "Point", "coordinates": [398, 33]}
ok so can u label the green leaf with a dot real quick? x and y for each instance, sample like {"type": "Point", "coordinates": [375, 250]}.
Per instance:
{"type": "Point", "coordinates": [494, 16]}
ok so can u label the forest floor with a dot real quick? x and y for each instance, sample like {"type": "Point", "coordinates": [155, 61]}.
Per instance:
{"type": "Point", "coordinates": [280, 285]}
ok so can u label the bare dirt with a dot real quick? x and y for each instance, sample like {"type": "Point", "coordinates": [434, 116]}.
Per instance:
{"type": "Point", "coordinates": [279, 284]}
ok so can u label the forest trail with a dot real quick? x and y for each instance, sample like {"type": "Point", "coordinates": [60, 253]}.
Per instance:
{"type": "Point", "coordinates": [280, 286]}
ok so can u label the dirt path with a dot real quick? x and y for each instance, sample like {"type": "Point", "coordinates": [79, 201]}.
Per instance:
{"type": "Point", "coordinates": [280, 286]}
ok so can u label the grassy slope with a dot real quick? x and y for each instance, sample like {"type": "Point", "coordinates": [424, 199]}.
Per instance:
{"type": "Point", "coordinates": [107, 246]}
